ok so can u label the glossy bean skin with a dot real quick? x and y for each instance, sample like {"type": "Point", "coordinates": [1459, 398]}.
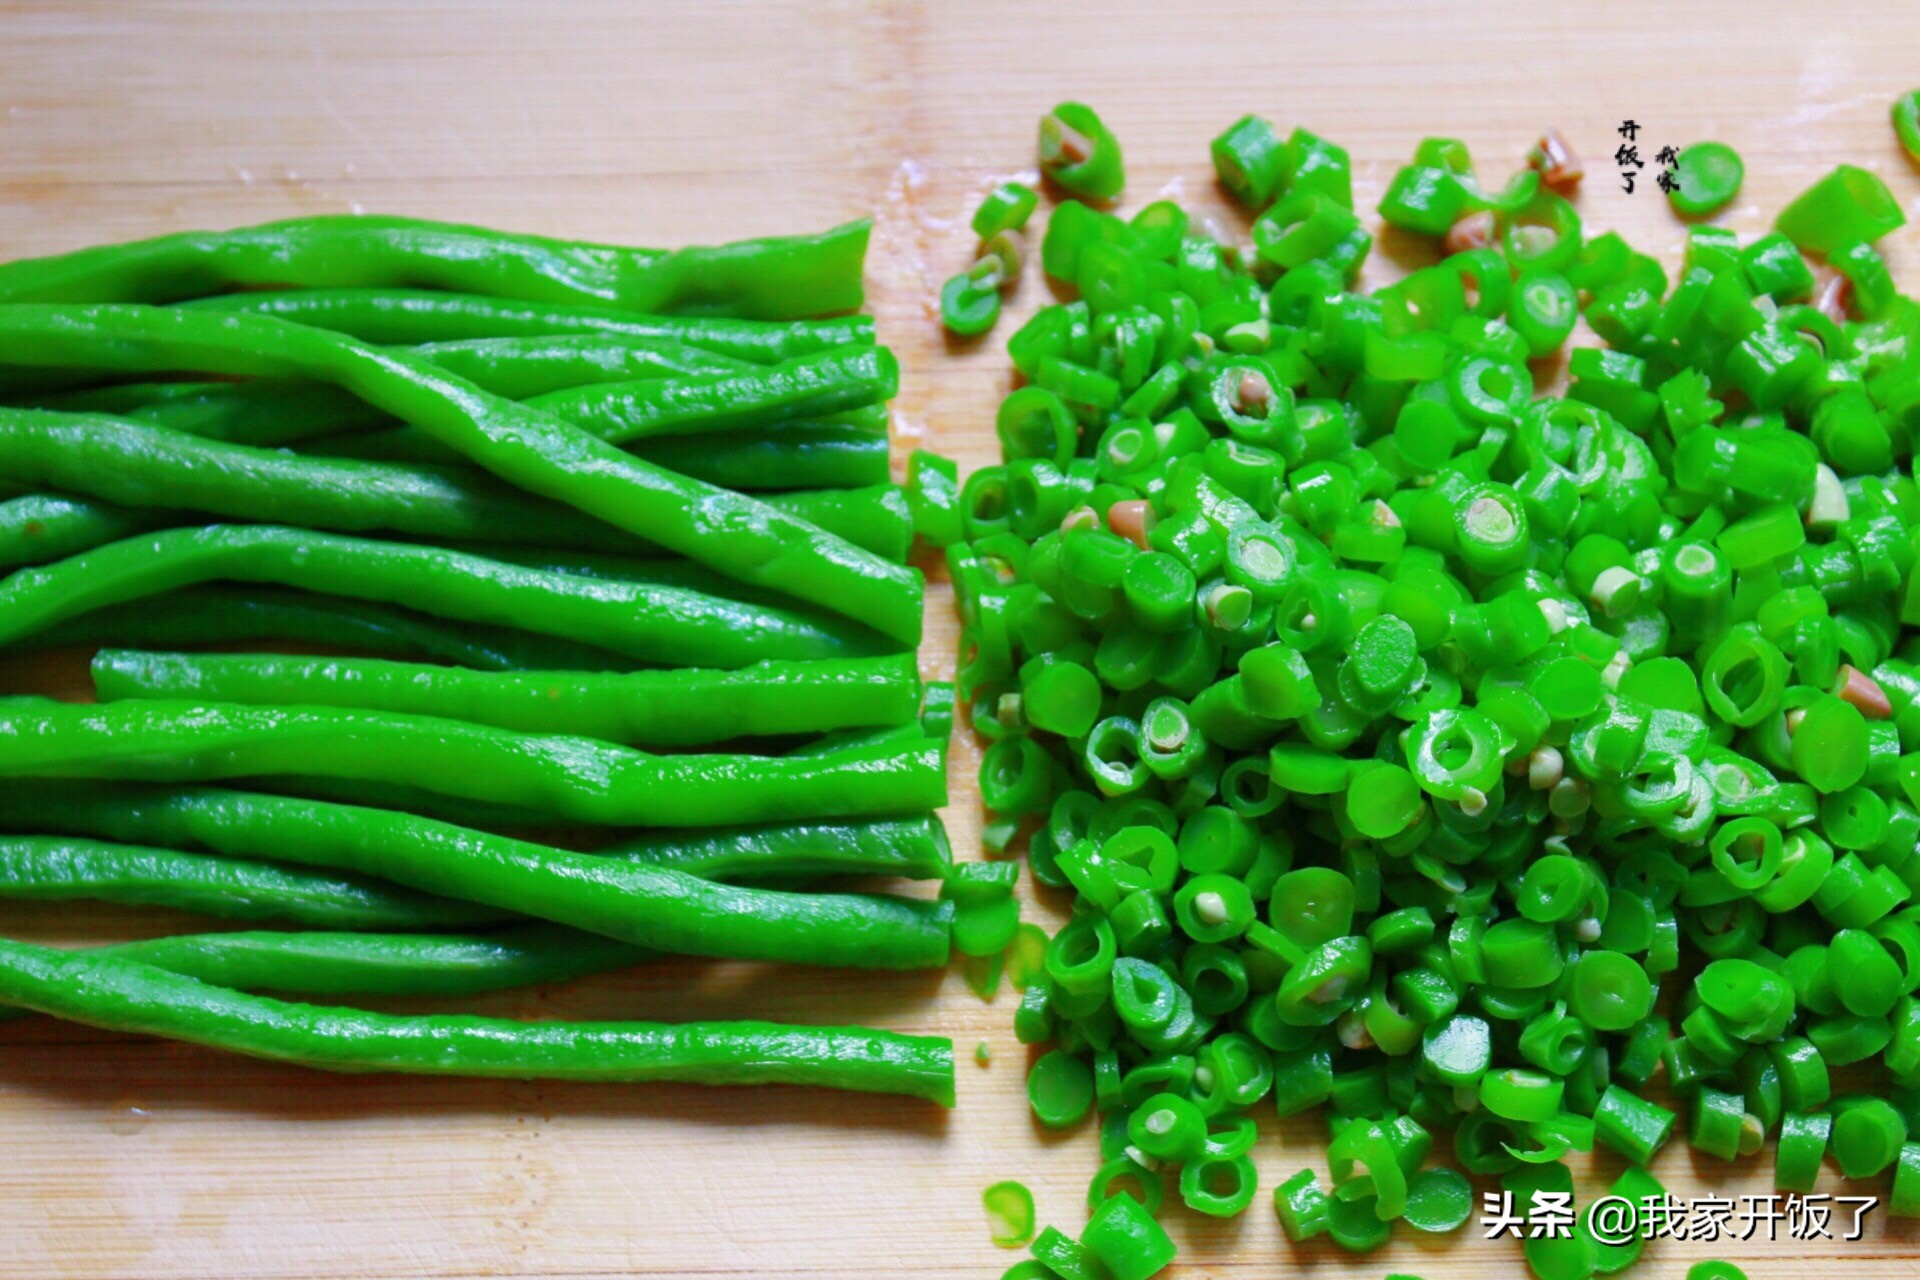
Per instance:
{"type": "Point", "coordinates": [830, 454]}
{"type": "Point", "coordinates": [572, 779]}
{"type": "Point", "coordinates": [271, 412]}
{"type": "Point", "coordinates": [675, 707]}
{"type": "Point", "coordinates": [529, 449]}
{"type": "Point", "coordinates": [623, 898]}
{"type": "Point", "coordinates": [412, 317]}
{"type": "Point", "coordinates": [59, 868]}
{"type": "Point", "coordinates": [155, 471]}
{"type": "Point", "coordinates": [339, 963]}
{"type": "Point", "coordinates": [126, 995]}
{"type": "Point", "coordinates": [650, 622]}
{"type": "Point", "coordinates": [776, 278]}
{"type": "Point", "coordinates": [37, 528]}
{"type": "Point", "coordinates": [236, 615]}
{"type": "Point", "coordinates": [387, 964]}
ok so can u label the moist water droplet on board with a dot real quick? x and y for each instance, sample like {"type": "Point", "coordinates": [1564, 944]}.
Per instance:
{"type": "Point", "coordinates": [127, 1117]}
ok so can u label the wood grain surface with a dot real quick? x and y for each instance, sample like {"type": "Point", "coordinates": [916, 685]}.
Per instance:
{"type": "Point", "coordinates": [696, 120]}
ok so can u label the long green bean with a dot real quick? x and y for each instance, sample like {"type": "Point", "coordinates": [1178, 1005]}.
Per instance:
{"type": "Point", "coordinates": [330, 963]}
{"type": "Point", "coordinates": [269, 411]}
{"type": "Point", "coordinates": [125, 995]}
{"type": "Point", "coordinates": [40, 528]}
{"type": "Point", "coordinates": [531, 450]}
{"type": "Point", "coordinates": [913, 848]}
{"type": "Point", "coordinates": [386, 964]}
{"type": "Point", "coordinates": [803, 389]}
{"type": "Point", "coordinates": [780, 854]}
{"type": "Point", "coordinates": [577, 382]}
{"type": "Point", "coordinates": [238, 615]}
{"type": "Point", "coordinates": [133, 464]}
{"type": "Point", "coordinates": [148, 467]}
{"type": "Point", "coordinates": [61, 868]}
{"type": "Point", "coordinates": [409, 317]}
{"type": "Point", "coordinates": [672, 708]}
{"type": "Point", "coordinates": [575, 779]}
{"type": "Point", "coordinates": [792, 455]}
{"type": "Point", "coordinates": [371, 793]}
{"type": "Point", "coordinates": [279, 411]}
{"type": "Point", "coordinates": [652, 623]}
{"type": "Point", "coordinates": [653, 906]}
{"type": "Point", "coordinates": [777, 278]}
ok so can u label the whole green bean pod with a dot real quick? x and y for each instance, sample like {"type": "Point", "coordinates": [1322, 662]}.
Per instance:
{"type": "Point", "coordinates": [386, 964]}
{"type": "Point", "coordinates": [777, 854]}
{"type": "Point", "coordinates": [804, 388]}
{"type": "Point", "coordinates": [237, 615]}
{"type": "Point", "coordinates": [792, 455]}
{"type": "Point", "coordinates": [39, 527]}
{"type": "Point", "coordinates": [279, 411]}
{"type": "Point", "coordinates": [652, 906]}
{"type": "Point", "coordinates": [670, 708]}
{"type": "Point", "coordinates": [574, 779]}
{"type": "Point", "coordinates": [915, 848]}
{"type": "Point", "coordinates": [268, 413]}
{"type": "Point", "coordinates": [411, 317]}
{"type": "Point", "coordinates": [405, 444]}
{"type": "Point", "coordinates": [653, 623]}
{"type": "Point", "coordinates": [137, 465]}
{"type": "Point", "coordinates": [61, 868]}
{"type": "Point", "coordinates": [620, 388]}
{"type": "Point", "coordinates": [327, 963]}
{"type": "Point", "coordinates": [371, 793]}
{"type": "Point", "coordinates": [125, 995]}
{"type": "Point", "coordinates": [777, 278]}
{"type": "Point", "coordinates": [733, 534]}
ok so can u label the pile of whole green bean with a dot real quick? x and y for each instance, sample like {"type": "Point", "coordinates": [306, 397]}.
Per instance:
{"type": "Point", "coordinates": [1440, 754]}
{"type": "Point", "coordinates": [582, 504]}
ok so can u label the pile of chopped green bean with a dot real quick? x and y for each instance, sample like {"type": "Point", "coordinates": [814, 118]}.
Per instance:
{"type": "Point", "coordinates": [564, 506]}
{"type": "Point", "coordinates": [1481, 767]}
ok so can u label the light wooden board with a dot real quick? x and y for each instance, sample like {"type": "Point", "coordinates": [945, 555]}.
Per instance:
{"type": "Point", "coordinates": [691, 120]}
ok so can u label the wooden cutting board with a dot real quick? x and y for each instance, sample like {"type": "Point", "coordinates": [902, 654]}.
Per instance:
{"type": "Point", "coordinates": [686, 121]}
